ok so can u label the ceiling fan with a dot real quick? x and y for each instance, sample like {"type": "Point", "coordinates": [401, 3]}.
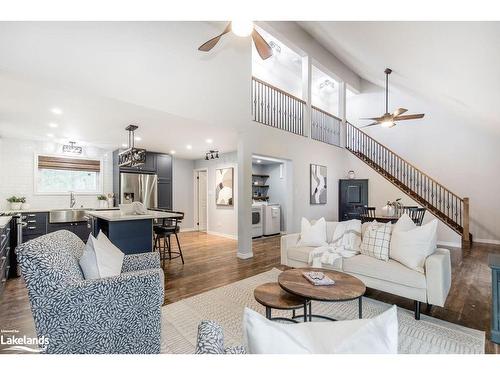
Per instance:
{"type": "Point", "coordinates": [242, 29]}
{"type": "Point", "coordinates": [388, 120]}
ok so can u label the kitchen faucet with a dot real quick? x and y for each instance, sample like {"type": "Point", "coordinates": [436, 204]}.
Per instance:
{"type": "Point", "coordinates": [72, 200]}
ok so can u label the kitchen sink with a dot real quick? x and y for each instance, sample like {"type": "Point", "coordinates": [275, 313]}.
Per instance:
{"type": "Point", "coordinates": [67, 215]}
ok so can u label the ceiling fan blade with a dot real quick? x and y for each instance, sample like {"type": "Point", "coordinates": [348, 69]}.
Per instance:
{"type": "Point", "coordinates": [399, 111]}
{"type": "Point", "coordinates": [207, 46]}
{"type": "Point", "coordinates": [371, 118]}
{"type": "Point", "coordinates": [265, 51]}
{"type": "Point", "coordinates": [372, 124]}
{"type": "Point", "coordinates": [409, 117]}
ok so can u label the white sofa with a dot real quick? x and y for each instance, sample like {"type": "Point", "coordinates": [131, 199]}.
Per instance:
{"type": "Point", "coordinates": [431, 287]}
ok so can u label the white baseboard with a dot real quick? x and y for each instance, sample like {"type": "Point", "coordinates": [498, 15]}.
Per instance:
{"type": "Point", "coordinates": [187, 229]}
{"type": "Point", "coordinates": [245, 255]}
{"type": "Point", "coordinates": [231, 236]}
{"type": "Point", "coordinates": [483, 240]}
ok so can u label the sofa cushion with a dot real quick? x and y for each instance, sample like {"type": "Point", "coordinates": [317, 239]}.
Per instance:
{"type": "Point", "coordinates": [300, 253]}
{"type": "Point", "coordinates": [390, 271]}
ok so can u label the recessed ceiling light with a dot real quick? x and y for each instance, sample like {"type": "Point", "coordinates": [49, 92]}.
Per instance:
{"type": "Point", "coordinates": [56, 111]}
{"type": "Point", "coordinates": [172, 152]}
{"type": "Point", "coordinates": [189, 147]}
{"type": "Point", "coordinates": [209, 140]}
{"type": "Point", "coordinates": [53, 125]}
{"type": "Point", "coordinates": [259, 161]}
{"type": "Point", "coordinates": [50, 135]}
{"type": "Point", "coordinates": [138, 138]}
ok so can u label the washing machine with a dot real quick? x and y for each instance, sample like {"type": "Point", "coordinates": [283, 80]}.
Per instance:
{"type": "Point", "coordinates": [257, 220]}
{"type": "Point", "coordinates": [272, 219]}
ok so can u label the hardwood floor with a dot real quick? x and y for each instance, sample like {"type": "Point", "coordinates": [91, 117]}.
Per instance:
{"type": "Point", "coordinates": [211, 262]}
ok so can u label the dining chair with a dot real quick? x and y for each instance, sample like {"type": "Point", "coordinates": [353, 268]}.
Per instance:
{"type": "Point", "coordinates": [168, 227]}
{"type": "Point", "coordinates": [416, 214]}
{"type": "Point", "coordinates": [367, 213]}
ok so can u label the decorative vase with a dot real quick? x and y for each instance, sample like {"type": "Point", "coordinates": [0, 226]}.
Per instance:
{"type": "Point", "coordinates": [388, 210]}
{"type": "Point", "coordinates": [111, 202]}
{"type": "Point", "coordinates": [103, 203]}
{"type": "Point", "coordinates": [15, 205]}
{"type": "Point", "coordinates": [25, 206]}
{"type": "Point", "coordinates": [351, 175]}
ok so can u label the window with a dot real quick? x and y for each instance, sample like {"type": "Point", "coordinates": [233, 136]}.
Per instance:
{"type": "Point", "coordinates": [60, 175]}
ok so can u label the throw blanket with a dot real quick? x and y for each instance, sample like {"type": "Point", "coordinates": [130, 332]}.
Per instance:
{"type": "Point", "coordinates": [345, 244]}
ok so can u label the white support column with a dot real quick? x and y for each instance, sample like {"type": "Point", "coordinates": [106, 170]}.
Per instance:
{"type": "Point", "coordinates": [342, 113]}
{"type": "Point", "coordinates": [244, 195]}
{"type": "Point", "coordinates": [306, 93]}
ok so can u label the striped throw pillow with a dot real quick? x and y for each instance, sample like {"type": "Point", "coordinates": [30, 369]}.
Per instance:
{"type": "Point", "coordinates": [377, 240]}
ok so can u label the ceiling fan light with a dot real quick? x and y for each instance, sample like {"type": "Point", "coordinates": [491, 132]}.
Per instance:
{"type": "Point", "coordinates": [387, 124]}
{"type": "Point", "coordinates": [242, 28]}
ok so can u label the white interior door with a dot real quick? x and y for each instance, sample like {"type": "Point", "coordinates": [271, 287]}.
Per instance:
{"type": "Point", "coordinates": [202, 200]}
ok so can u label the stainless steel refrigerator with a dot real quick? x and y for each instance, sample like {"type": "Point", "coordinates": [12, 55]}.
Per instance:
{"type": "Point", "coordinates": [136, 187]}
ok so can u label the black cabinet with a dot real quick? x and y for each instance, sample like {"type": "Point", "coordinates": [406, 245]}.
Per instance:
{"type": "Point", "coordinates": [352, 194]}
{"type": "Point", "coordinates": [81, 229]}
{"type": "Point", "coordinates": [5, 255]}
{"type": "Point", "coordinates": [156, 163]}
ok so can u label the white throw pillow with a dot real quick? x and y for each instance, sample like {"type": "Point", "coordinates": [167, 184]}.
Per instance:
{"type": "Point", "coordinates": [363, 336]}
{"type": "Point", "coordinates": [109, 257]}
{"type": "Point", "coordinates": [404, 223]}
{"type": "Point", "coordinates": [377, 240]}
{"type": "Point", "coordinates": [412, 247]}
{"type": "Point", "coordinates": [88, 260]}
{"type": "Point", "coordinates": [312, 234]}
{"type": "Point", "coordinates": [101, 258]}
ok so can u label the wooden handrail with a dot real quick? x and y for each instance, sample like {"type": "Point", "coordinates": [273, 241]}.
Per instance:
{"type": "Point", "coordinates": [325, 112]}
{"type": "Point", "coordinates": [278, 89]}
{"type": "Point", "coordinates": [405, 161]}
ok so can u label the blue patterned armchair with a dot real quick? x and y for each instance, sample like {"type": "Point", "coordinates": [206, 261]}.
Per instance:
{"type": "Point", "coordinates": [119, 314]}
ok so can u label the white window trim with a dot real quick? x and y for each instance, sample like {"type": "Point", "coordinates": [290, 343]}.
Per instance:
{"type": "Point", "coordinates": [67, 193]}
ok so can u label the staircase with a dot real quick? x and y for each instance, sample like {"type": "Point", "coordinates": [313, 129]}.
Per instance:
{"type": "Point", "coordinates": [437, 199]}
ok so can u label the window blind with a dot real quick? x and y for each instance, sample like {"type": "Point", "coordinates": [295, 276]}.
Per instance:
{"type": "Point", "coordinates": [68, 164]}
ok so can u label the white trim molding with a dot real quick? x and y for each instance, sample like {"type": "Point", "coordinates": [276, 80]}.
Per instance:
{"type": "Point", "coordinates": [230, 236]}
{"type": "Point", "coordinates": [245, 255]}
{"type": "Point", "coordinates": [484, 240]}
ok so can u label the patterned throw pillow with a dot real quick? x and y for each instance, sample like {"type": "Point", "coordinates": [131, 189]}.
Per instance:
{"type": "Point", "coordinates": [376, 240]}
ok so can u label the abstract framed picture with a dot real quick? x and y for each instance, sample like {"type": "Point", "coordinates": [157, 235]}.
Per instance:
{"type": "Point", "coordinates": [224, 186]}
{"type": "Point", "coordinates": [318, 184]}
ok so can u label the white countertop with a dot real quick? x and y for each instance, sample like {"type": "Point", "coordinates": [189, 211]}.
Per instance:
{"type": "Point", "coordinates": [116, 215]}
{"type": "Point", "coordinates": [4, 221]}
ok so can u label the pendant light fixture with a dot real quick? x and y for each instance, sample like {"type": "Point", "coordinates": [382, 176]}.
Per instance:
{"type": "Point", "coordinates": [132, 156]}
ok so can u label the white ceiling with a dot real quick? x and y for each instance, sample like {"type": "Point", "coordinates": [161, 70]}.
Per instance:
{"type": "Point", "coordinates": [454, 64]}
{"type": "Point", "coordinates": [106, 75]}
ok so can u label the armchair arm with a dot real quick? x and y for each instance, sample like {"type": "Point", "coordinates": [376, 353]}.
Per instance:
{"type": "Point", "coordinates": [211, 340]}
{"type": "Point", "coordinates": [438, 276]}
{"type": "Point", "coordinates": [119, 314]}
{"type": "Point", "coordinates": [288, 241]}
{"type": "Point", "coordinates": [143, 261]}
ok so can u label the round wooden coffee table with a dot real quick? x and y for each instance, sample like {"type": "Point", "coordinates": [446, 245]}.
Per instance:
{"type": "Point", "coordinates": [272, 296]}
{"type": "Point", "coordinates": [346, 288]}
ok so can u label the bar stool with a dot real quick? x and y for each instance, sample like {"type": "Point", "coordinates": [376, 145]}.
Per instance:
{"type": "Point", "coordinates": [168, 227]}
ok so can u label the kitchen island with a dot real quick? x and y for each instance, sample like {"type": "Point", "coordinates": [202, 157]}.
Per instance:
{"type": "Point", "coordinates": [131, 233]}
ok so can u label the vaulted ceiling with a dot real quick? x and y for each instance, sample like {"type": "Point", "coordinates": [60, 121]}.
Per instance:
{"type": "Point", "coordinates": [454, 64]}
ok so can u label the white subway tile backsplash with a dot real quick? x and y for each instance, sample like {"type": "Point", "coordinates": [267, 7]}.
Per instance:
{"type": "Point", "coordinates": [17, 173]}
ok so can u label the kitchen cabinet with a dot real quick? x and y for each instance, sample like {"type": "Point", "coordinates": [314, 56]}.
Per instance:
{"type": "Point", "coordinates": [165, 195]}
{"type": "Point", "coordinates": [5, 255]}
{"type": "Point", "coordinates": [81, 229]}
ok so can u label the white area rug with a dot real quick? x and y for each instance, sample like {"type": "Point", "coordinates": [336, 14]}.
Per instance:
{"type": "Point", "coordinates": [225, 305]}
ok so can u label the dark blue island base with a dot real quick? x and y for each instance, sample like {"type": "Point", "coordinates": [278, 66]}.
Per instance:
{"type": "Point", "coordinates": [131, 237]}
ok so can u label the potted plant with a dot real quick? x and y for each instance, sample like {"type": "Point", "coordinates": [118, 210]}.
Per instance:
{"type": "Point", "coordinates": [103, 201]}
{"type": "Point", "coordinates": [16, 202]}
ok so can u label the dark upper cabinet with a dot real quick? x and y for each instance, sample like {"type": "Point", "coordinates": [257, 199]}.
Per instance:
{"type": "Point", "coordinates": [164, 166]}
{"type": "Point", "coordinates": [352, 194]}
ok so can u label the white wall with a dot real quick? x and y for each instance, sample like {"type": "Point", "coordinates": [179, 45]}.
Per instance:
{"type": "Point", "coordinates": [301, 152]}
{"type": "Point", "coordinates": [183, 191]}
{"type": "Point", "coordinates": [17, 166]}
{"type": "Point", "coordinates": [448, 147]}
{"type": "Point", "coordinates": [222, 220]}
